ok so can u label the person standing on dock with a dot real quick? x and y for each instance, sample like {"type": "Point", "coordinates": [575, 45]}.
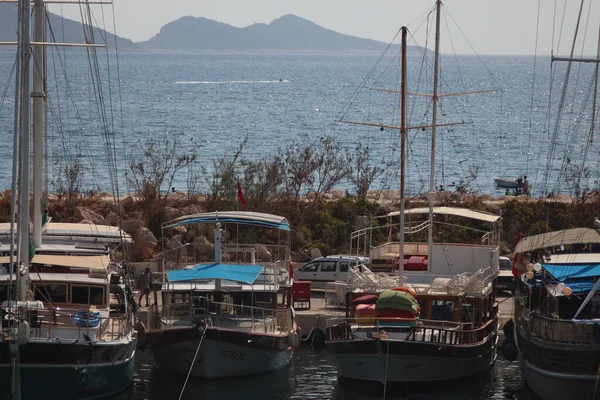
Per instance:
{"type": "Point", "coordinates": [525, 186]}
{"type": "Point", "coordinates": [145, 286]}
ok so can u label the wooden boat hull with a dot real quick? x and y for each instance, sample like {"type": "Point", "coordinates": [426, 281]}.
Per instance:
{"type": "Point", "coordinates": [223, 353]}
{"type": "Point", "coordinates": [409, 361]}
{"type": "Point", "coordinates": [560, 372]}
{"type": "Point", "coordinates": [51, 370]}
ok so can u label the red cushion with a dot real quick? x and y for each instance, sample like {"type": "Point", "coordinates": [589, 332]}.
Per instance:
{"type": "Point", "coordinates": [367, 299]}
{"type": "Point", "coordinates": [392, 313]}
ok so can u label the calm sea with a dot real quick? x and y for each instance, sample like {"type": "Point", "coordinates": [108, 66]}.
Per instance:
{"type": "Point", "coordinates": [312, 375]}
{"type": "Point", "coordinates": [210, 102]}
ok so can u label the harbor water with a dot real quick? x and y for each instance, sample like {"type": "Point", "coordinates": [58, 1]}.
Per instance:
{"type": "Point", "coordinates": [312, 375]}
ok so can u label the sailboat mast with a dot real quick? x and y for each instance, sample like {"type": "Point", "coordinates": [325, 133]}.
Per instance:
{"type": "Point", "coordinates": [402, 157]}
{"type": "Point", "coordinates": [436, 69]}
{"type": "Point", "coordinates": [24, 147]}
{"type": "Point", "coordinates": [38, 119]}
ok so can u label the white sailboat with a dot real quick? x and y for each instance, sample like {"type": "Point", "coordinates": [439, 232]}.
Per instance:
{"type": "Point", "coordinates": [67, 317]}
{"type": "Point", "coordinates": [452, 332]}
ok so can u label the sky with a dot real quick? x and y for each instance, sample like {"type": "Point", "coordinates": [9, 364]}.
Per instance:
{"type": "Point", "coordinates": [489, 26]}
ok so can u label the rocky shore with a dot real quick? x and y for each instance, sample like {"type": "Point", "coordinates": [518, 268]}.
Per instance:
{"type": "Point", "coordinates": [325, 223]}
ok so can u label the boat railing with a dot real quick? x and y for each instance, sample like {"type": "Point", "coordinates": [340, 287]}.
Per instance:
{"type": "Point", "coordinates": [560, 330]}
{"type": "Point", "coordinates": [222, 315]}
{"type": "Point", "coordinates": [419, 330]}
{"type": "Point", "coordinates": [235, 253]}
{"type": "Point", "coordinates": [59, 323]}
{"type": "Point", "coordinates": [360, 240]}
{"type": "Point", "coordinates": [452, 336]}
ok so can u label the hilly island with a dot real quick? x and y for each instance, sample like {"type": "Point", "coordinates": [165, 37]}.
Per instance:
{"type": "Point", "coordinates": [288, 33]}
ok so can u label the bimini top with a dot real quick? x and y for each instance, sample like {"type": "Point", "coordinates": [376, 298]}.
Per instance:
{"type": "Point", "coordinates": [230, 272]}
{"type": "Point", "coordinates": [459, 212]}
{"type": "Point", "coordinates": [557, 238]}
{"type": "Point", "coordinates": [237, 217]}
{"type": "Point", "coordinates": [103, 233]}
{"type": "Point", "coordinates": [72, 261]}
{"type": "Point", "coordinates": [91, 262]}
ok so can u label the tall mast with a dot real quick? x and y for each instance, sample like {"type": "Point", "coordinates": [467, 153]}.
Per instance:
{"type": "Point", "coordinates": [38, 119]}
{"type": "Point", "coordinates": [402, 156]}
{"type": "Point", "coordinates": [436, 68]}
{"type": "Point", "coordinates": [24, 147]}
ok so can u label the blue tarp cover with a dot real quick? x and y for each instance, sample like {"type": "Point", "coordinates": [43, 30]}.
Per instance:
{"type": "Point", "coordinates": [230, 272]}
{"type": "Point", "coordinates": [563, 272]}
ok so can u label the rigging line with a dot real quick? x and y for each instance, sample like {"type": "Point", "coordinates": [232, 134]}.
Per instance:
{"type": "Point", "coordinates": [120, 94]}
{"type": "Point", "coordinates": [571, 142]}
{"type": "Point", "coordinates": [471, 46]}
{"type": "Point", "coordinates": [70, 93]}
{"type": "Point", "coordinates": [365, 79]}
{"type": "Point", "coordinates": [111, 135]}
{"type": "Point", "coordinates": [572, 136]}
{"type": "Point", "coordinates": [562, 100]}
{"type": "Point", "coordinates": [99, 94]}
{"type": "Point", "coordinates": [7, 86]}
{"type": "Point", "coordinates": [562, 23]}
{"type": "Point", "coordinates": [537, 33]}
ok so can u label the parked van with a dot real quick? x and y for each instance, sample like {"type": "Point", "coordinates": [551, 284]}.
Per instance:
{"type": "Point", "coordinates": [328, 269]}
{"type": "Point", "coordinates": [505, 279]}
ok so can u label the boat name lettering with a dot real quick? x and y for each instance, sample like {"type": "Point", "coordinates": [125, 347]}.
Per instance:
{"type": "Point", "coordinates": [236, 355]}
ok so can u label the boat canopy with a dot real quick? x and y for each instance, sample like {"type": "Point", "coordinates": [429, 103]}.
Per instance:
{"type": "Point", "coordinates": [459, 212]}
{"type": "Point", "coordinates": [563, 272]}
{"type": "Point", "coordinates": [557, 238]}
{"type": "Point", "coordinates": [230, 272]}
{"type": "Point", "coordinates": [237, 217]}
{"type": "Point", "coordinates": [91, 262]}
{"type": "Point", "coordinates": [71, 230]}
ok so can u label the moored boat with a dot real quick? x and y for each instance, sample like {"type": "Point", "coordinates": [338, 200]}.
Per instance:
{"type": "Point", "coordinates": [227, 318]}
{"type": "Point", "coordinates": [557, 313]}
{"type": "Point", "coordinates": [453, 334]}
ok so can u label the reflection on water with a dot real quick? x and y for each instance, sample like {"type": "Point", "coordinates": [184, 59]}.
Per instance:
{"type": "Point", "coordinates": [312, 375]}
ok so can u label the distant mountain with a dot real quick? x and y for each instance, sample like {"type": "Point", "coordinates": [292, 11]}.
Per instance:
{"type": "Point", "coordinates": [72, 30]}
{"type": "Point", "coordinates": [287, 33]}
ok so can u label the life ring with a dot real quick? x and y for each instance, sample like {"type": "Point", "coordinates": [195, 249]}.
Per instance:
{"type": "Point", "coordinates": [141, 335]}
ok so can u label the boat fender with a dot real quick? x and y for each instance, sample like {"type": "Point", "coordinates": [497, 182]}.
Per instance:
{"type": "Point", "coordinates": [509, 329]}
{"type": "Point", "coordinates": [318, 339]}
{"type": "Point", "coordinates": [23, 332]}
{"type": "Point", "coordinates": [510, 350]}
{"type": "Point", "coordinates": [141, 335]}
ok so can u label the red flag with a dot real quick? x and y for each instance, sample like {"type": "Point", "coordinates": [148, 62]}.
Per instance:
{"type": "Point", "coordinates": [241, 195]}
{"type": "Point", "coordinates": [516, 256]}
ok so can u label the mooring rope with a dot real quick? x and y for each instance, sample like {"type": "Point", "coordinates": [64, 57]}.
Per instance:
{"type": "Point", "coordinates": [597, 377]}
{"type": "Point", "coordinates": [192, 366]}
{"type": "Point", "coordinates": [387, 357]}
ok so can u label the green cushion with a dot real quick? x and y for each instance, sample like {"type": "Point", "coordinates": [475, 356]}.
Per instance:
{"type": "Point", "coordinates": [398, 300]}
